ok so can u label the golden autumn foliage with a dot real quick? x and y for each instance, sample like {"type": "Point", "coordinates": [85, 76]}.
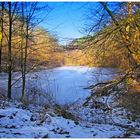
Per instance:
{"type": "Point", "coordinates": [116, 45]}
{"type": "Point", "coordinates": [43, 49]}
{"type": "Point", "coordinates": [75, 57]}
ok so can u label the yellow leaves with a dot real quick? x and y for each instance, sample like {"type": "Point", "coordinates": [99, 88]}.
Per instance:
{"type": "Point", "coordinates": [127, 28]}
{"type": "Point", "coordinates": [136, 36]}
{"type": "Point", "coordinates": [137, 58]}
{"type": "Point", "coordinates": [129, 81]}
{"type": "Point", "coordinates": [125, 38]}
{"type": "Point", "coordinates": [0, 36]}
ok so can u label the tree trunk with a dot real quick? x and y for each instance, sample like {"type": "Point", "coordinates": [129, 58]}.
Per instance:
{"type": "Point", "coordinates": [9, 53]}
{"type": "Point", "coordinates": [22, 58]}
{"type": "Point", "coordinates": [25, 62]}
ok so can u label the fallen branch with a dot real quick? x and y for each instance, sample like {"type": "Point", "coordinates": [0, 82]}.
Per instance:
{"type": "Point", "coordinates": [98, 84]}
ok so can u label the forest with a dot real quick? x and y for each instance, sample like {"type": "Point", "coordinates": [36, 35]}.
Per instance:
{"type": "Point", "coordinates": [87, 87]}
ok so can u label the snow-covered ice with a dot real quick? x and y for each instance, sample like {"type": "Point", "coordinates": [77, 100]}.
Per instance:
{"type": "Point", "coordinates": [64, 84]}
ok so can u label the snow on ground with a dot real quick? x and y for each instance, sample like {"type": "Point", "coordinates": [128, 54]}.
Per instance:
{"type": "Point", "coordinates": [21, 121]}
{"type": "Point", "coordinates": [63, 84]}
{"type": "Point", "coordinates": [17, 122]}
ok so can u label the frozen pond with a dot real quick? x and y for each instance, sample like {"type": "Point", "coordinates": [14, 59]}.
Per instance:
{"type": "Point", "coordinates": [63, 84]}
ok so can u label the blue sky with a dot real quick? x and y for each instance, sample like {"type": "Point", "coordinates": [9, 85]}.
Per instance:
{"type": "Point", "coordinates": [66, 20]}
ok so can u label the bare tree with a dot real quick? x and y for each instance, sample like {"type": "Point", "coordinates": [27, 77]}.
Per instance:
{"type": "Point", "coordinates": [30, 14]}
{"type": "Point", "coordinates": [10, 16]}
{"type": "Point", "coordinates": [22, 53]}
{"type": "Point", "coordinates": [116, 26]}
